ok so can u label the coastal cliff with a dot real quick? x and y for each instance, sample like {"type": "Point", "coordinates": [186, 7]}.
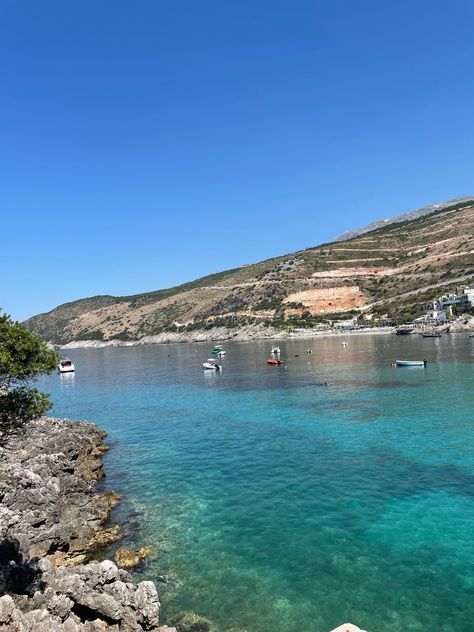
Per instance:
{"type": "Point", "coordinates": [52, 523]}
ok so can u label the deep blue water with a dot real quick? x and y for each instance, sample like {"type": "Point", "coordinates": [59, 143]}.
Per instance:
{"type": "Point", "coordinates": [272, 502]}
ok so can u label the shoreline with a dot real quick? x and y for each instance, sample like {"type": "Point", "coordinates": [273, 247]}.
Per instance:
{"type": "Point", "coordinates": [53, 523]}
{"type": "Point", "coordinates": [217, 336]}
{"type": "Point", "coordinates": [246, 335]}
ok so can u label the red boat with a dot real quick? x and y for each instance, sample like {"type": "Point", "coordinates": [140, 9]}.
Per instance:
{"type": "Point", "coordinates": [274, 362]}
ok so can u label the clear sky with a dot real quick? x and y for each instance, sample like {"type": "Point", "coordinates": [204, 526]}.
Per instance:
{"type": "Point", "coordinates": [146, 143]}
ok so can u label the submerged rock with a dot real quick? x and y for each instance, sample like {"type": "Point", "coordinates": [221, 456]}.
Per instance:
{"type": "Point", "coordinates": [127, 558]}
{"type": "Point", "coordinates": [104, 538]}
{"type": "Point", "coordinates": [190, 622]}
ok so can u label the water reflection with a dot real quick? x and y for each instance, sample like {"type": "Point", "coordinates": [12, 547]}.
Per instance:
{"type": "Point", "coordinates": [67, 380]}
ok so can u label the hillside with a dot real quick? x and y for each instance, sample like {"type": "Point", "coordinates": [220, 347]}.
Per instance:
{"type": "Point", "coordinates": [419, 212]}
{"type": "Point", "coordinates": [394, 268]}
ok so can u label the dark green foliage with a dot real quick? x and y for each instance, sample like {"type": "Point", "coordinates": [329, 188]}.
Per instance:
{"type": "Point", "coordinates": [230, 322]}
{"type": "Point", "coordinates": [20, 405]}
{"type": "Point", "coordinates": [122, 335]}
{"type": "Point", "coordinates": [272, 302]}
{"type": "Point", "coordinates": [23, 357]}
{"type": "Point", "coordinates": [460, 311]}
{"type": "Point", "coordinates": [293, 305]}
{"type": "Point", "coordinates": [94, 334]}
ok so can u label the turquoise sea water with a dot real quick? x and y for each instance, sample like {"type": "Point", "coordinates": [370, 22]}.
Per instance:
{"type": "Point", "coordinates": [272, 502]}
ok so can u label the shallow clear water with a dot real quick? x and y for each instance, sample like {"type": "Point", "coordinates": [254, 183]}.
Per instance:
{"type": "Point", "coordinates": [273, 502]}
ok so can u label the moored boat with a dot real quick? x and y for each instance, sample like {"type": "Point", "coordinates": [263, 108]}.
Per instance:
{"type": "Point", "coordinates": [411, 362]}
{"type": "Point", "coordinates": [274, 361]}
{"type": "Point", "coordinates": [211, 365]}
{"type": "Point", "coordinates": [275, 350]}
{"type": "Point", "coordinates": [404, 330]}
{"type": "Point", "coordinates": [66, 366]}
{"type": "Point", "coordinates": [216, 350]}
{"type": "Point", "coordinates": [428, 334]}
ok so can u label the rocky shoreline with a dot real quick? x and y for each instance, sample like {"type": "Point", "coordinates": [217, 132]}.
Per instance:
{"type": "Point", "coordinates": [52, 524]}
{"type": "Point", "coordinates": [220, 334]}
{"type": "Point", "coordinates": [250, 332]}
{"type": "Point", "coordinates": [239, 334]}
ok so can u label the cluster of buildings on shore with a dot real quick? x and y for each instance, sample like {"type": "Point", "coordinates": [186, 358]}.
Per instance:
{"type": "Point", "coordinates": [441, 309]}
{"type": "Point", "coordinates": [437, 312]}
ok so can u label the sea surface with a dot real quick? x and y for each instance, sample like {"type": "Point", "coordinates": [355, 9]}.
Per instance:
{"type": "Point", "coordinates": [273, 502]}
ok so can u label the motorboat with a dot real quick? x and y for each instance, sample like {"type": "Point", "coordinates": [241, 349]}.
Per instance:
{"type": "Point", "coordinates": [433, 334]}
{"type": "Point", "coordinates": [275, 351]}
{"type": "Point", "coordinates": [216, 350]}
{"type": "Point", "coordinates": [66, 366]}
{"type": "Point", "coordinates": [221, 353]}
{"type": "Point", "coordinates": [274, 361]}
{"type": "Point", "coordinates": [211, 365]}
{"type": "Point", "coordinates": [404, 330]}
{"type": "Point", "coordinates": [411, 362]}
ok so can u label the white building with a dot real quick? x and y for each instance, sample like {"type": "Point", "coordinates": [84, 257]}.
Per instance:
{"type": "Point", "coordinates": [435, 315]}
{"type": "Point", "coordinates": [347, 324]}
{"type": "Point", "coordinates": [467, 296]}
{"type": "Point", "coordinates": [463, 297]}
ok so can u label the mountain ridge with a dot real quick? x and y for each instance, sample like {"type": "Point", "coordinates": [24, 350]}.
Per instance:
{"type": "Point", "coordinates": [325, 282]}
{"type": "Point", "coordinates": [409, 215]}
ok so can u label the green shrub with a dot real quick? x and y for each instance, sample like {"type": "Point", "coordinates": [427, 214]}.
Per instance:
{"type": "Point", "coordinates": [23, 356]}
{"type": "Point", "coordinates": [20, 405]}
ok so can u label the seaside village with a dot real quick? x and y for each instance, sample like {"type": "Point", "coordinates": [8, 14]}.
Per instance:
{"type": "Point", "coordinates": [439, 312]}
{"type": "Point", "coordinates": [446, 305]}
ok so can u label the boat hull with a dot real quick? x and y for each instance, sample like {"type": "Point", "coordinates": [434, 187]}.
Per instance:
{"type": "Point", "coordinates": [421, 363]}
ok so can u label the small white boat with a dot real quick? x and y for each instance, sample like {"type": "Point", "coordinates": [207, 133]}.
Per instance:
{"type": "Point", "coordinates": [411, 363]}
{"type": "Point", "coordinates": [211, 365]}
{"type": "Point", "coordinates": [344, 344]}
{"type": "Point", "coordinates": [275, 350]}
{"type": "Point", "coordinates": [66, 366]}
{"type": "Point", "coordinates": [221, 353]}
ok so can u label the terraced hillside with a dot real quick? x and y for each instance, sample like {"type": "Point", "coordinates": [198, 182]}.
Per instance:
{"type": "Point", "coordinates": [393, 269]}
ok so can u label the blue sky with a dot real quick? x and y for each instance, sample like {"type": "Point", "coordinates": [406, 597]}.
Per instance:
{"type": "Point", "coordinates": [144, 144]}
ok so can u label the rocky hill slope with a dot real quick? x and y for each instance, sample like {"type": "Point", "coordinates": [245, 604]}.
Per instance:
{"type": "Point", "coordinates": [394, 268]}
{"type": "Point", "coordinates": [419, 212]}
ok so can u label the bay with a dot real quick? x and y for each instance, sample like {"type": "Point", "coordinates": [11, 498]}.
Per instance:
{"type": "Point", "coordinates": [273, 501]}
